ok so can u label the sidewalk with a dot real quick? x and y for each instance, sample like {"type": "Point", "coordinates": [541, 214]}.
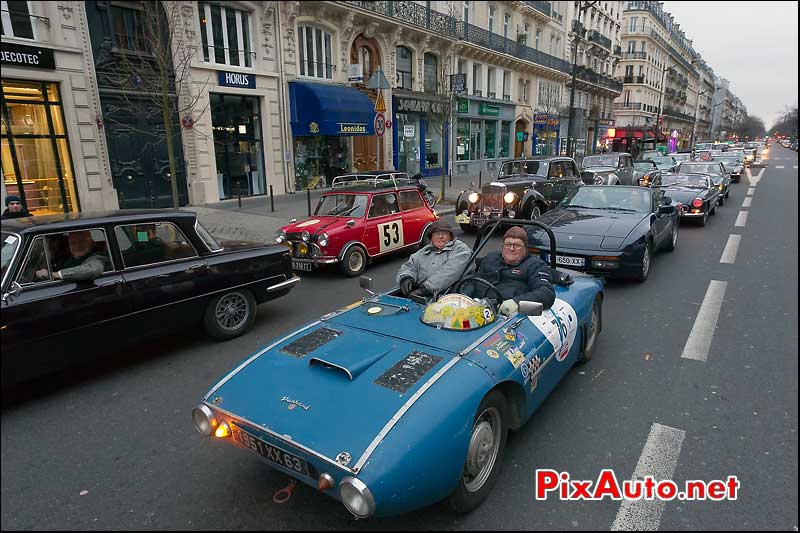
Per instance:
{"type": "Point", "coordinates": [255, 221]}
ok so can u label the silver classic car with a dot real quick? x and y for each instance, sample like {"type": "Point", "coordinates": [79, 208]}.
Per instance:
{"type": "Point", "coordinates": [614, 168]}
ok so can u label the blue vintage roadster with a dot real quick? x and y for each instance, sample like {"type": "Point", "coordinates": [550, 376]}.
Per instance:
{"type": "Point", "coordinates": [391, 404]}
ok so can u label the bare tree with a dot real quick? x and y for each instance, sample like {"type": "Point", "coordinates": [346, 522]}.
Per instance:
{"type": "Point", "coordinates": [442, 114]}
{"type": "Point", "coordinates": [156, 71]}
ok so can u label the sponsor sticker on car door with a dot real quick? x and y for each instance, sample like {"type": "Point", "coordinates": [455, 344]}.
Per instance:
{"type": "Point", "coordinates": [390, 235]}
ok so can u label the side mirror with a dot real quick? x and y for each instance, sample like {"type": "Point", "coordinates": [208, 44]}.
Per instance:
{"type": "Point", "coordinates": [14, 289]}
{"type": "Point", "coordinates": [667, 200]}
{"type": "Point", "coordinates": [365, 282]}
{"type": "Point", "coordinates": [350, 223]}
{"type": "Point", "coordinates": [531, 308]}
{"type": "Point", "coordinates": [666, 209]}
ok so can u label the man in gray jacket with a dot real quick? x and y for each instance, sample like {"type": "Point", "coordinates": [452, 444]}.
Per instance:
{"type": "Point", "coordinates": [436, 266]}
{"type": "Point", "coordinates": [84, 263]}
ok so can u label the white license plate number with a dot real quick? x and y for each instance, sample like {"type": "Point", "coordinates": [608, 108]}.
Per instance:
{"type": "Point", "coordinates": [569, 261]}
{"type": "Point", "coordinates": [299, 265]}
{"type": "Point", "coordinates": [269, 452]}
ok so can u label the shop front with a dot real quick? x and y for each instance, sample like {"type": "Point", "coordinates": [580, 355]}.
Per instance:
{"type": "Point", "coordinates": [420, 134]}
{"type": "Point", "coordinates": [324, 117]}
{"type": "Point", "coordinates": [36, 161]}
{"type": "Point", "coordinates": [484, 135]}
{"type": "Point", "coordinates": [545, 134]}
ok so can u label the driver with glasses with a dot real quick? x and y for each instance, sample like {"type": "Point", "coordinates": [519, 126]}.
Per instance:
{"type": "Point", "coordinates": [515, 273]}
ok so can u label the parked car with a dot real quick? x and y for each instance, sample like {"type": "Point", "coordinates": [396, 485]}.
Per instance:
{"type": "Point", "coordinates": [614, 168]}
{"type": "Point", "coordinates": [733, 166]}
{"type": "Point", "coordinates": [163, 271]}
{"type": "Point", "coordinates": [400, 178]}
{"type": "Point", "coordinates": [358, 403]}
{"type": "Point", "coordinates": [716, 171]}
{"type": "Point", "coordinates": [697, 195]}
{"type": "Point", "coordinates": [354, 224]}
{"type": "Point", "coordinates": [680, 157]}
{"type": "Point", "coordinates": [610, 231]}
{"type": "Point", "coordinates": [646, 173]}
{"type": "Point", "coordinates": [524, 189]}
{"type": "Point", "coordinates": [665, 163]}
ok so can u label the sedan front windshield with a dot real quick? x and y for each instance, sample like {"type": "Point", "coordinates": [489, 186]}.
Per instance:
{"type": "Point", "coordinates": [600, 161]}
{"type": "Point", "coordinates": [512, 168]}
{"type": "Point", "coordinates": [10, 244]}
{"type": "Point", "coordinates": [663, 162]}
{"type": "Point", "coordinates": [702, 168]}
{"type": "Point", "coordinates": [342, 205]}
{"type": "Point", "coordinates": [610, 197]}
{"type": "Point", "coordinates": [685, 181]}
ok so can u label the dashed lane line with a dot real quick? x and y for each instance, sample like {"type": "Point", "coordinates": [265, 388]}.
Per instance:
{"type": "Point", "coordinates": [741, 220]}
{"type": "Point", "coordinates": [729, 253]}
{"type": "Point", "coordinates": [747, 201]}
{"type": "Point", "coordinates": [699, 341]}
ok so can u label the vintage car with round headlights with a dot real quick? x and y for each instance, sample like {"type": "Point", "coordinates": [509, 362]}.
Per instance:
{"type": "Point", "coordinates": [612, 168]}
{"type": "Point", "coordinates": [392, 404]}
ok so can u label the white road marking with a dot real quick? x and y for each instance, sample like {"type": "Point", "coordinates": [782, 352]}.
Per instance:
{"type": "Point", "coordinates": [795, 166]}
{"type": "Point", "coordinates": [729, 254]}
{"type": "Point", "coordinates": [754, 179]}
{"type": "Point", "coordinates": [741, 220]}
{"type": "Point", "coordinates": [699, 341]}
{"type": "Point", "coordinates": [659, 459]}
{"type": "Point", "coordinates": [751, 191]}
{"type": "Point", "coordinates": [747, 201]}
{"type": "Point", "coordinates": [779, 166]}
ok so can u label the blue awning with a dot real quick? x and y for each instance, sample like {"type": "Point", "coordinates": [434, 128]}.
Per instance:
{"type": "Point", "coordinates": [328, 109]}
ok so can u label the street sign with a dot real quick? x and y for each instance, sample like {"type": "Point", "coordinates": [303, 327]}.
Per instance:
{"type": "Point", "coordinates": [522, 136]}
{"type": "Point", "coordinates": [458, 83]}
{"type": "Point", "coordinates": [380, 104]}
{"type": "Point", "coordinates": [380, 124]}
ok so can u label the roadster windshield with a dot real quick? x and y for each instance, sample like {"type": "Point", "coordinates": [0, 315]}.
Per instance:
{"type": "Point", "coordinates": [601, 161]}
{"type": "Point", "coordinates": [610, 197]}
{"type": "Point", "coordinates": [686, 181]}
{"type": "Point", "coordinates": [342, 205]}
{"type": "Point", "coordinates": [702, 168]}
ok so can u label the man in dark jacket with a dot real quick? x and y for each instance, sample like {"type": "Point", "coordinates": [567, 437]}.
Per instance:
{"type": "Point", "coordinates": [516, 274]}
{"type": "Point", "coordinates": [14, 208]}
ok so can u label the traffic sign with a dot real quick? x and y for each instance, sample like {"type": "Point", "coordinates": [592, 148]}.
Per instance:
{"type": "Point", "coordinates": [380, 124]}
{"type": "Point", "coordinates": [380, 104]}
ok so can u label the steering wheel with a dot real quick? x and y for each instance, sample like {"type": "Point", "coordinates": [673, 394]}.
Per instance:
{"type": "Point", "coordinates": [481, 281]}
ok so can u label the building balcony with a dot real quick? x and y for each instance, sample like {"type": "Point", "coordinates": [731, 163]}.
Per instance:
{"type": "Point", "coordinates": [629, 106]}
{"type": "Point", "coordinates": [542, 7]}
{"type": "Point", "coordinates": [633, 79]}
{"type": "Point", "coordinates": [598, 38]}
{"type": "Point", "coordinates": [588, 75]}
{"type": "Point", "coordinates": [672, 112]}
{"type": "Point", "coordinates": [634, 55]}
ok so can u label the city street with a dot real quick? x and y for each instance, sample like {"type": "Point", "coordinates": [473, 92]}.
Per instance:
{"type": "Point", "coordinates": [111, 446]}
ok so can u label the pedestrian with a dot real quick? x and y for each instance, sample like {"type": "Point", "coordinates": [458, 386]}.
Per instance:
{"type": "Point", "coordinates": [14, 208]}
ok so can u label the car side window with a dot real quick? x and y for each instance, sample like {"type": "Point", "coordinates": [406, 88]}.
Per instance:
{"type": "Point", "coordinates": [410, 200]}
{"type": "Point", "coordinates": [556, 170]}
{"type": "Point", "coordinates": [151, 243]}
{"type": "Point", "coordinates": [569, 169]}
{"type": "Point", "coordinates": [382, 205]}
{"type": "Point", "coordinates": [36, 260]}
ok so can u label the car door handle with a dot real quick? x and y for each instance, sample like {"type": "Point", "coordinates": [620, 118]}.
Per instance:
{"type": "Point", "coordinates": [196, 268]}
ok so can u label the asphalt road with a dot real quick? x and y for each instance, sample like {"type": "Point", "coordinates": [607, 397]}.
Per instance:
{"type": "Point", "coordinates": [112, 446]}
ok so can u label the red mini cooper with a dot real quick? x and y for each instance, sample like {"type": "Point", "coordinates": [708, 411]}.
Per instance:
{"type": "Point", "coordinates": [356, 223]}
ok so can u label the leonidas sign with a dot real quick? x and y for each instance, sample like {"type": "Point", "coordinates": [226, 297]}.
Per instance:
{"type": "Point", "coordinates": [17, 55]}
{"type": "Point", "coordinates": [412, 105]}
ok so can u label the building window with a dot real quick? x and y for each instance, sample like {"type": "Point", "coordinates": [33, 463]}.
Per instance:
{"type": "Point", "coordinates": [129, 30]}
{"type": "Point", "coordinates": [404, 62]}
{"type": "Point", "coordinates": [476, 79]}
{"type": "Point", "coordinates": [505, 138]}
{"type": "Point", "coordinates": [506, 86]}
{"type": "Point", "coordinates": [431, 81]}
{"type": "Point", "coordinates": [537, 38]}
{"type": "Point", "coordinates": [36, 160]}
{"type": "Point", "coordinates": [16, 20]}
{"type": "Point", "coordinates": [525, 39]}
{"type": "Point", "coordinates": [225, 32]}
{"type": "Point", "coordinates": [632, 27]}
{"type": "Point", "coordinates": [466, 11]}
{"type": "Point", "coordinates": [491, 18]}
{"type": "Point", "coordinates": [491, 83]}
{"type": "Point", "coordinates": [506, 22]}
{"type": "Point", "coordinates": [315, 53]}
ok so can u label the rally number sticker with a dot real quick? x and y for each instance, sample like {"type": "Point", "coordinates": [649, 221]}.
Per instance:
{"type": "Point", "coordinates": [560, 325]}
{"type": "Point", "coordinates": [390, 235]}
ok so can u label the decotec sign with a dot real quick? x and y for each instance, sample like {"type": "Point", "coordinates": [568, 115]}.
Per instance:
{"type": "Point", "coordinates": [17, 55]}
{"type": "Point", "coordinates": [349, 127]}
{"type": "Point", "coordinates": [412, 105]}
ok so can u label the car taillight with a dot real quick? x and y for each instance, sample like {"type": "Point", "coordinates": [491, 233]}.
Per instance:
{"type": "Point", "coordinates": [697, 202]}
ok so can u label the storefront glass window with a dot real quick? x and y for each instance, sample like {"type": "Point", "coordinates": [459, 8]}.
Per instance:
{"type": "Point", "coordinates": [236, 122]}
{"type": "Point", "coordinates": [505, 138]}
{"type": "Point", "coordinates": [475, 127]}
{"type": "Point", "coordinates": [491, 139]}
{"type": "Point", "coordinates": [319, 159]}
{"type": "Point", "coordinates": [462, 140]}
{"type": "Point", "coordinates": [36, 160]}
{"type": "Point", "coordinates": [434, 152]}
{"type": "Point", "coordinates": [408, 140]}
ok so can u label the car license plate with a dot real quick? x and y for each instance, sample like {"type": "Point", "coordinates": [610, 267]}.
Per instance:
{"type": "Point", "coordinates": [269, 452]}
{"type": "Point", "coordinates": [568, 261]}
{"type": "Point", "coordinates": [299, 265]}
{"type": "Point", "coordinates": [462, 219]}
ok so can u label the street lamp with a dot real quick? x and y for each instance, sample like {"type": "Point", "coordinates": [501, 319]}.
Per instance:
{"type": "Point", "coordinates": [578, 29]}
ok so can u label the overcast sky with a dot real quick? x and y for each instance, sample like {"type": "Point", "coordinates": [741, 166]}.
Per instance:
{"type": "Point", "coordinates": [752, 44]}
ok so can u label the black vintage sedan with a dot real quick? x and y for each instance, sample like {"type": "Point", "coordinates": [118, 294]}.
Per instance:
{"type": "Point", "coordinates": [155, 271]}
{"type": "Point", "coordinates": [696, 194]}
{"type": "Point", "coordinates": [611, 231]}
{"type": "Point", "coordinates": [524, 189]}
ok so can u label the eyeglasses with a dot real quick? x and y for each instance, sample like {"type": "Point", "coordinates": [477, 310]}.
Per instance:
{"type": "Point", "coordinates": [512, 246]}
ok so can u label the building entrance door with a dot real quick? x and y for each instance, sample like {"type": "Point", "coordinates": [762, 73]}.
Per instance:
{"type": "Point", "coordinates": [366, 52]}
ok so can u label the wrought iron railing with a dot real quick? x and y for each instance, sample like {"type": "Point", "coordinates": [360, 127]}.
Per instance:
{"type": "Point", "coordinates": [633, 79]}
{"type": "Point", "coordinates": [543, 7]}
{"type": "Point", "coordinates": [674, 53]}
{"type": "Point", "coordinates": [669, 111]}
{"type": "Point", "coordinates": [591, 76]}
{"type": "Point", "coordinates": [412, 13]}
{"type": "Point", "coordinates": [636, 106]}
{"type": "Point", "coordinates": [598, 38]}
{"type": "Point", "coordinates": [634, 55]}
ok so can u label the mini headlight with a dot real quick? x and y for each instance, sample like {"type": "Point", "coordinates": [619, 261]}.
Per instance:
{"type": "Point", "coordinates": [280, 237]}
{"type": "Point", "coordinates": [473, 197]}
{"type": "Point", "coordinates": [322, 239]}
{"type": "Point", "coordinates": [356, 497]}
{"type": "Point", "coordinates": [204, 420]}
{"type": "Point", "coordinates": [510, 197]}
{"type": "Point", "coordinates": [306, 236]}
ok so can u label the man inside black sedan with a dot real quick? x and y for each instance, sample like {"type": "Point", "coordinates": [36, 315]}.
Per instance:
{"type": "Point", "coordinates": [84, 262]}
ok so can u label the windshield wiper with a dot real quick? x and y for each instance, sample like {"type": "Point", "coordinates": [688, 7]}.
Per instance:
{"type": "Point", "coordinates": [582, 206]}
{"type": "Point", "coordinates": [620, 209]}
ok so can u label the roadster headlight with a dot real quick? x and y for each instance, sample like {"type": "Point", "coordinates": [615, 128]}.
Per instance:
{"type": "Point", "coordinates": [473, 197]}
{"type": "Point", "coordinates": [356, 497]}
{"type": "Point", "coordinates": [280, 237]}
{"type": "Point", "coordinates": [322, 239]}
{"type": "Point", "coordinates": [204, 420]}
{"type": "Point", "coordinates": [510, 197]}
{"type": "Point", "coordinates": [306, 236]}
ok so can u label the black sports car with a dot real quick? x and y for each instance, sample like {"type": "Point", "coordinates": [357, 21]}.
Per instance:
{"type": "Point", "coordinates": [610, 231]}
{"type": "Point", "coordinates": [696, 194]}
{"type": "Point", "coordinates": [733, 166]}
{"type": "Point", "coordinates": [720, 177]}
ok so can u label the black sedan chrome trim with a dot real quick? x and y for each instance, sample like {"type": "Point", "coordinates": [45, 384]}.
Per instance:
{"type": "Point", "coordinates": [288, 283]}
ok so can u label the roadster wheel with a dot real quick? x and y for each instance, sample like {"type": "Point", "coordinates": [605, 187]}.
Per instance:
{"type": "Point", "coordinates": [593, 330]}
{"type": "Point", "coordinates": [647, 258]}
{"type": "Point", "coordinates": [673, 241]}
{"type": "Point", "coordinates": [230, 314]}
{"type": "Point", "coordinates": [484, 455]}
